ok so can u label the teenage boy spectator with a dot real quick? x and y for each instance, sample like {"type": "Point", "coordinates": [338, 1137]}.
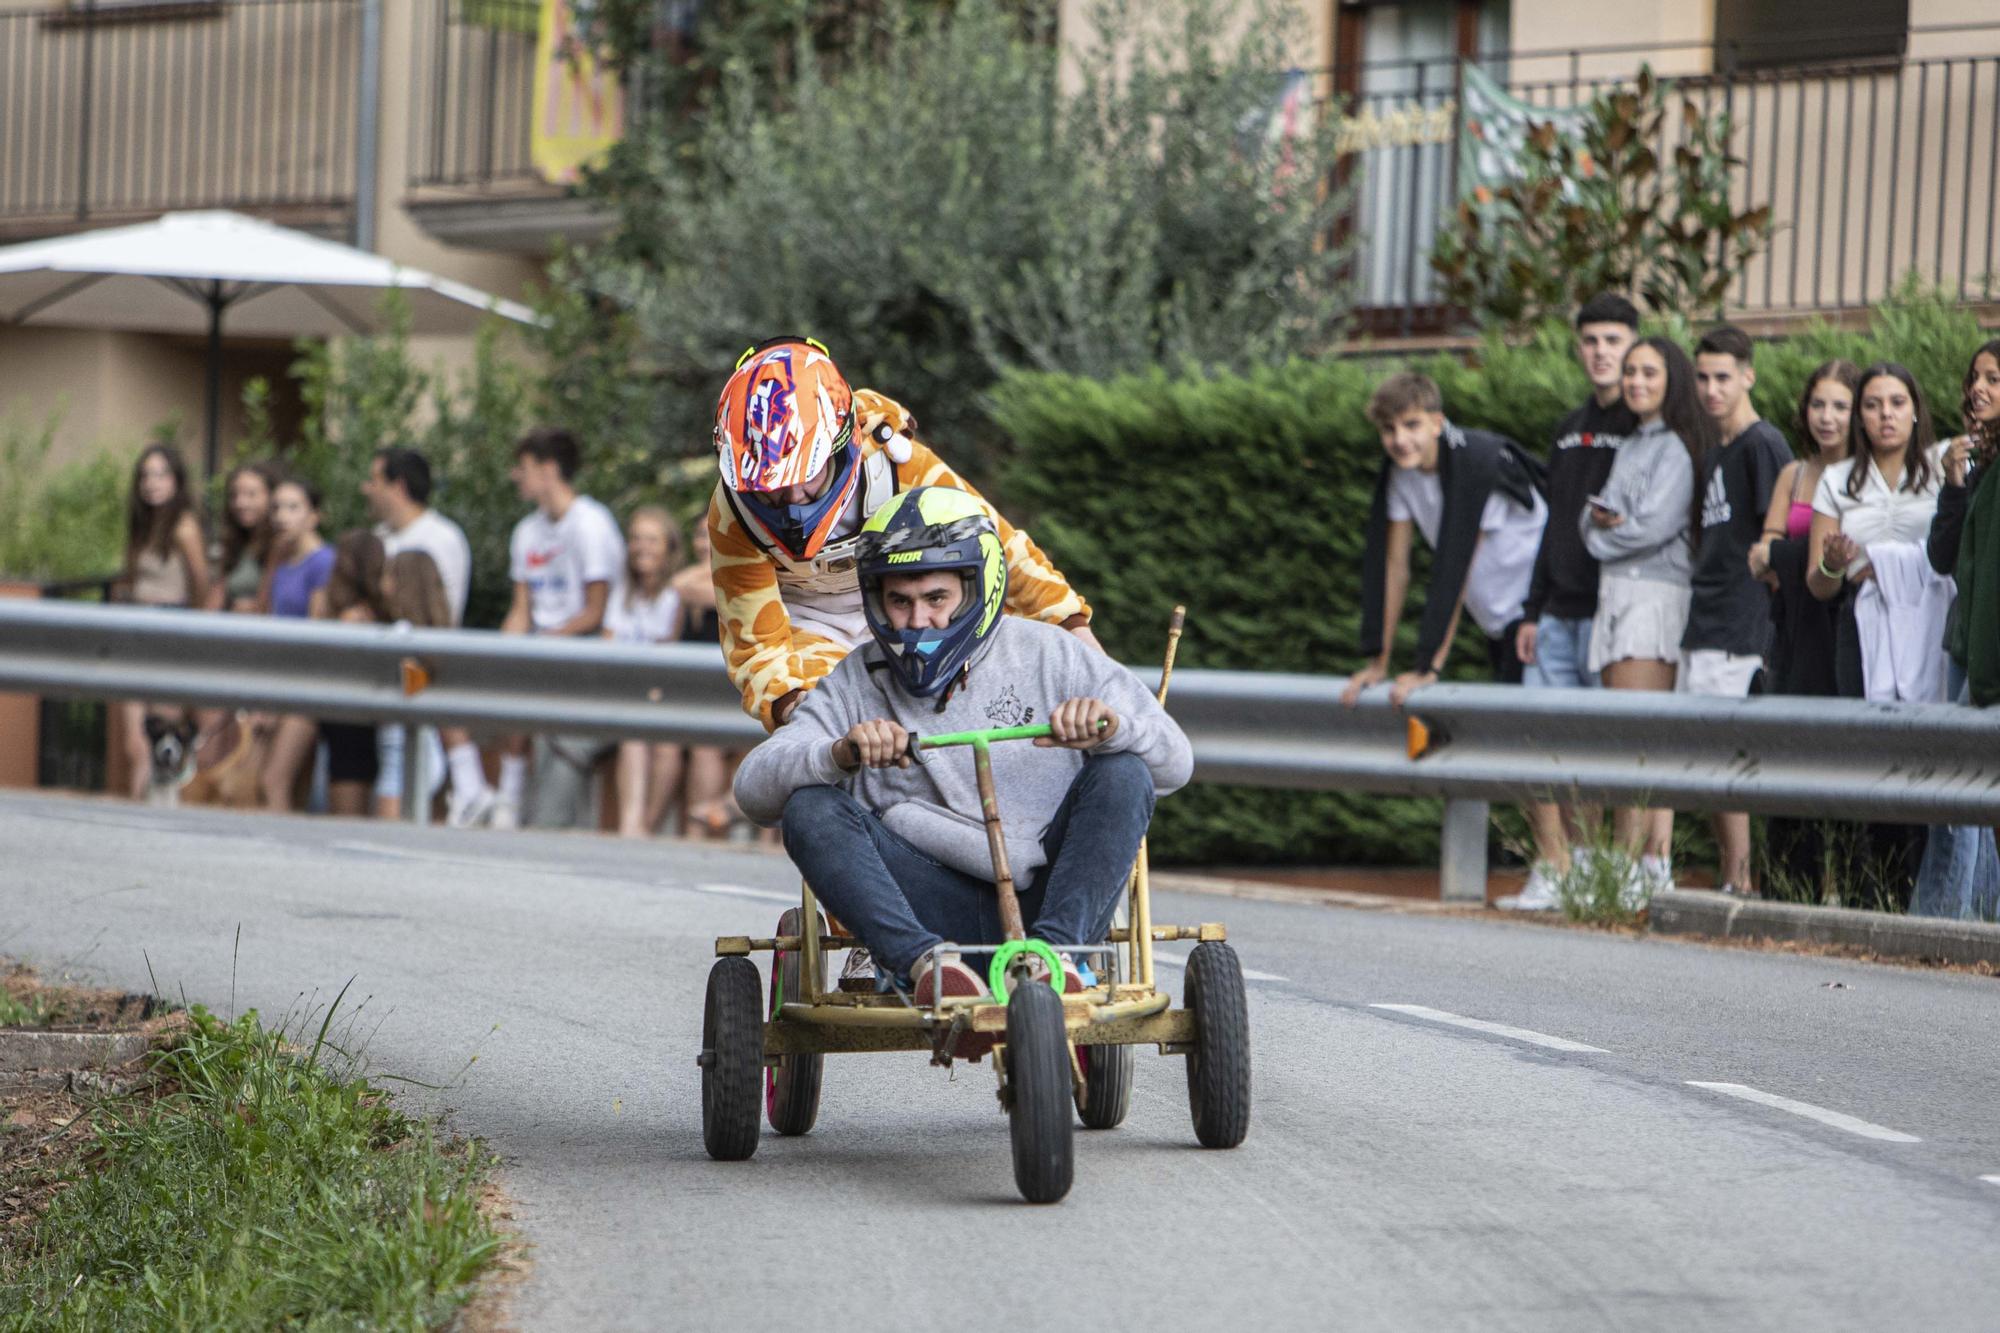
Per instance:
{"type": "Point", "coordinates": [564, 557]}
{"type": "Point", "coordinates": [398, 491]}
{"type": "Point", "coordinates": [1476, 498]}
{"type": "Point", "coordinates": [1729, 610]}
{"type": "Point", "coordinates": [1553, 642]}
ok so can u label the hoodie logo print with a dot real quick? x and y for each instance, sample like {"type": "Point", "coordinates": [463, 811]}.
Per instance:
{"type": "Point", "coordinates": [1008, 711]}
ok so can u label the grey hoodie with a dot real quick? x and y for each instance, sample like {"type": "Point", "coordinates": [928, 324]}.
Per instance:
{"type": "Point", "coordinates": [934, 804]}
{"type": "Point", "coordinates": [1652, 484]}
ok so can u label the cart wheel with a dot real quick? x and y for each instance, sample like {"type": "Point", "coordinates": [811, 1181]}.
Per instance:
{"type": "Point", "coordinates": [1039, 1080]}
{"type": "Point", "coordinates": [1218, 1068]}
{"type": "Point", "coordinates": [791, 1085]}
{"type": "Point", "coordinates": [1107, 1085]}
{"type": "Point", "coordinates": [732, 1056]}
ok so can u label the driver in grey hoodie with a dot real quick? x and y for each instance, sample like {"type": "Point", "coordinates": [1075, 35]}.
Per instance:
{"type": "Point", "coordinates": [893, 842]}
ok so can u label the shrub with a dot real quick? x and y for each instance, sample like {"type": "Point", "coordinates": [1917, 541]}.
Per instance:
{"type": "Point", "coordinates": [61, 523]}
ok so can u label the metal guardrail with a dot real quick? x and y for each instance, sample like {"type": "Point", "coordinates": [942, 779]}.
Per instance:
{"type": "Point", "coordinates": [1930, 763]}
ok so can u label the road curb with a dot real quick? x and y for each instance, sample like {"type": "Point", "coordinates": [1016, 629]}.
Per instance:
{"type": "Point", "coordinates": [1695, 912]}
{"type": "Point", "coordinates": [22, 1051]}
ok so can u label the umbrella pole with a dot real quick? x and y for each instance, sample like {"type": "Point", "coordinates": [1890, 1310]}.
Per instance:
{"type": "Point", "coordinates": [214, 449]}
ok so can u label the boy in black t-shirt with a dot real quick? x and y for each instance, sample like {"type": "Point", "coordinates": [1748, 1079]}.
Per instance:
{"type": "Point", "coordinates": [1553, 642]}
{"type": "Point", "coordinates": [1729, 615]}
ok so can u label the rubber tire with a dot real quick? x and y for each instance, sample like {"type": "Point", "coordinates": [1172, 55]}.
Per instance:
{"type": "Point", "coordinates": [1218, 1068]}
{"type": "Point", "coordinates": [1038, 1078]}
{"type": "Point", "coordinates": [1107, 1085]}
{"type": "Point", "coordinates": [791, 1086]}
{"type": "Point", "coordinates": [732, 1076]}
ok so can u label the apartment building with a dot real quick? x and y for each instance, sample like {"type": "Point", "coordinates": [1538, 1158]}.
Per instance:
{"type": "Point", "coordinates": [1870, 126]}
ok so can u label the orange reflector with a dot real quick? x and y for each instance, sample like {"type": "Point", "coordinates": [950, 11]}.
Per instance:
{"type": "Point", "coordinates": [1419, 738]}
{"type": "Point", "coordinates": [416, 676]}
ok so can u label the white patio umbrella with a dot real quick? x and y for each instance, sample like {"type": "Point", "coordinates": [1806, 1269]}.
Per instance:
{"type": "Point", "coordinates": [186, 272]}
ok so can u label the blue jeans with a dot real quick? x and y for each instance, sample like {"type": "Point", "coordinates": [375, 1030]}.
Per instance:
{"type": "Point", "coordinates": [1562, 655]}
{"type": "Point", "coordinates": [1960, 875]}
{"type": "Point", "coordinates": [902, 903]}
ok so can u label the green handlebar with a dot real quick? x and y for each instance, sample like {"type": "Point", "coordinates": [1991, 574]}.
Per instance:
{"type": "Point", "coordinates": [989, 736]}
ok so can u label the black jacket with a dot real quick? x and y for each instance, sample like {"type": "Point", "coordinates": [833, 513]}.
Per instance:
{"type": "Point", "coordinates": [1472, 465]}
{"type": "Point", "coordinates": [1585, 445]}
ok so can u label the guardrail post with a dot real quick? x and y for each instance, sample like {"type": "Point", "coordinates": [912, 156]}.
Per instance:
{"type": "Point", "coordinates": [1462, 864]}
{"type": "Point", "coordinates": [416, 775]}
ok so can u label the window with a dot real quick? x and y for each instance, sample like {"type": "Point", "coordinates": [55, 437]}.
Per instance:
{"type": "Point", "coordinates": [1761, 34]}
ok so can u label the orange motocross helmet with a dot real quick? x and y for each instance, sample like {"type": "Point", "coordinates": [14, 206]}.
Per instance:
{"type": "Point", "coordinates": [786, 420]}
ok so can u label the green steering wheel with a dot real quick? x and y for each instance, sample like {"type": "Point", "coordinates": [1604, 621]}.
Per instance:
{"type": "Point", "coordinates": [996, 973]}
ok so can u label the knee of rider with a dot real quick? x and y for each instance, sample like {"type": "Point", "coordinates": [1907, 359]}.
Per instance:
{"type": "Point", "coordinates": [1126, 774]}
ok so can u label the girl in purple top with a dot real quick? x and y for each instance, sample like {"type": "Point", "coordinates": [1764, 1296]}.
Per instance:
{"type": "Point", "coordinates": [300, 564]}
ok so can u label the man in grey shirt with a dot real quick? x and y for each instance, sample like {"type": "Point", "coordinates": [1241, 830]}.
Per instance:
{"type": "Point", "coordinates": [895, 844]}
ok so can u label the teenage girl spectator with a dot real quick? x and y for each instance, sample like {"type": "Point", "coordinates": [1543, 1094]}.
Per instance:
{"type": "Point", "coordinates": [300, 566]}
{"type": "Point", "coordinates": [1638, 530]}
{"type": "Point", "coordinates": [645, 609]}
{"type": "Point", "coordinates": [353, 594]}
{"type": "Point", "coordinates": [1878, 504]}
{"type": "Point", "coordinates": [246, 537]}
{"type": "Point", "coordinates": [1801, 853]}
{"type": "Point", "coordinates": [164, 566]}
{"type": "Point", "coordinates": [1960, 875]}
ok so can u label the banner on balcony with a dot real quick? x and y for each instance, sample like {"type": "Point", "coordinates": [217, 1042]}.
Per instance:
{"type": "Point", "coordinates": [1496, 130]}
{"type": "Point", "coordinates": [579, 106]}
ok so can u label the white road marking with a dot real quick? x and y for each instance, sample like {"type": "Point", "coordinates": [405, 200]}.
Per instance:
{"type": "Point", "coordinates": [1180, 960]}
{"type": "Point", "coordinates": [1849, 1123]}
{"type": "Point", "coordinates": [1991, 1180]}
{"type": "Point", "coordinates": [553, 868]}
{"type": "Point", "coordinates": [742, 891]}
{"type": "Point", "coordinates": [1496, 1029]}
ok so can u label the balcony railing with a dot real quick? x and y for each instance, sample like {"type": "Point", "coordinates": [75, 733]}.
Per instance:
{"type": "Point", "coordinates": [126, 112]}
{"type": "Point", "coordinates": [474, 63]}
{"type": "Point", "coordinates": [1873, 169]}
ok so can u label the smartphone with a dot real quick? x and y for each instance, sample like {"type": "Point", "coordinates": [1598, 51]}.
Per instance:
{"type": "Point", "coordinates": [1601, 502]}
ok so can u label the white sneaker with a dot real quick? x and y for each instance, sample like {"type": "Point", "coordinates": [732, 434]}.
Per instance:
{"type": "Point", "coordinates": [471, 810]}
{"type": "Point", "coordinates": [1651, 875]}
{"type": "Point", "coordinates": [1540, 894]}
{"type": "Point", "coordinates": [506, 815]}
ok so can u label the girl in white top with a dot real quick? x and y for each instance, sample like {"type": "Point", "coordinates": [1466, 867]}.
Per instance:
{"type": "Point", "coordinates": [645, 609]}
{"type": "Point", "coordinates": [1885, 491]}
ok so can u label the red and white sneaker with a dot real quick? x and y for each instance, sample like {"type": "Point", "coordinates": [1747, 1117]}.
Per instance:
{"type": "Point", "coordinates": [1074, 979]}
{"type": "Point", "coordinates": [956, 979]}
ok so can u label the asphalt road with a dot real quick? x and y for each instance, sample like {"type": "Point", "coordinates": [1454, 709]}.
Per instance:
{"type": "Point", "coordinates": [1403, 1171]}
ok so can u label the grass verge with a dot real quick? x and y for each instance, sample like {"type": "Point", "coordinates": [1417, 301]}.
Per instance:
{"type": "Point", "coordinates": [248, 1184]}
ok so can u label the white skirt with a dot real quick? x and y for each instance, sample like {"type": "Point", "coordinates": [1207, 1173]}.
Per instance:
{"type": "Point", "coordinates": [1638, 619]}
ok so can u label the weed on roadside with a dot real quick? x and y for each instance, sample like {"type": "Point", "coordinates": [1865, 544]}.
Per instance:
{"type": "Point", "coordinates": [254, 1185]}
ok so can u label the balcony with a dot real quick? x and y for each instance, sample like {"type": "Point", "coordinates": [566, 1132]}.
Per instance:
{"type": "Point", "coordinates": [119, 113]}
{"type": "Point", "coordinates": [1874, 168]}
{"type": "Point", "coordinates": [472, 179]}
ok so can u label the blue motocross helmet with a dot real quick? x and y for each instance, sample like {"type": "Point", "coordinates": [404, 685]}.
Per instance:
{"type": "Point", "coordinates": [934, 529]}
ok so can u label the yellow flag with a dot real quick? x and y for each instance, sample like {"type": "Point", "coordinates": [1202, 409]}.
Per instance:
{"type": "Point", "coordinates": [579, 108]}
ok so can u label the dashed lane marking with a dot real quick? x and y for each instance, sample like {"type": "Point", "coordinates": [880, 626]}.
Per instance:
{"type": "Point", "coordinates": [1180, 960]}
{"type": "Point", "coordinates": [1851, 1124]}
{"type": "Point", "coordinates": [547, 868]}
{"type": "Point", "coordinates": [1494, 1029]}
{"type": "Point", "coordinates": [1991, 1180]}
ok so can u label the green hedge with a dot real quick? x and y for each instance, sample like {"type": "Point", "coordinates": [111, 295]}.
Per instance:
{"type": "Point", "coordinates": [1246, 497]}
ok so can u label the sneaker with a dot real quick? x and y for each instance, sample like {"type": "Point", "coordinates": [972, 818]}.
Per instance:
{"type": "Point", "coordinates": [858, 972]}
{"type": "Point", "coordinates": [505, 815]}
{"type": "Point", "coordinates": [1542, 892]}
{"type": "Point", "coordinates": [1076, 976]}
{"type": "Point", "coordinates": [1648, 876]}
{"type": "Point", "coordinates": [471, 810]}
{"type": "Point", "coordinates": [953, 975]}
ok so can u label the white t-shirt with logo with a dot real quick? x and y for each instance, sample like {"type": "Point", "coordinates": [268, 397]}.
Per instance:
{"type": "Point", "coordinates": [444, 542]}
{"type": "Point", "coordinates": [558, 559]}
{"type": "Point", "coordinates": [1497, 584]}
{"type": "Point", "coordinates": [642, 619]}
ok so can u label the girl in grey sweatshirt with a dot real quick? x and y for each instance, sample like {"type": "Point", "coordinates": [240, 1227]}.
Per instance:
{"type": "Point", "coordinates": [1652, 485]}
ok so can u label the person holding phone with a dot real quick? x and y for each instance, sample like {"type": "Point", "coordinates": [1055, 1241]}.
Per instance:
{"type": "Point", "coordinates": [1637, 527]}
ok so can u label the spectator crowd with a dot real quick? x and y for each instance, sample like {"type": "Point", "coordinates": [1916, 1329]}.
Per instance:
{"type": "Point", "coordinates": [1669, 540]}
{"type": "Point", "coordinates": [575, 573]}
{"type": "Point", "coordinates": [1673, 540]}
